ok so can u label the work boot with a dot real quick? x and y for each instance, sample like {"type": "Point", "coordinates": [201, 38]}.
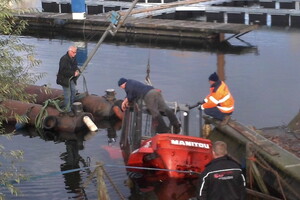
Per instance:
{"type": "Point", "coordinates": [225, 120]}
{"type": "Point", "coordinates": [177, 128]}
{"type": "Point", "coordinates": [159, 125]}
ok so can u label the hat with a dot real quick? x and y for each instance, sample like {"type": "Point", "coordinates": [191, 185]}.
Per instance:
{"type": "Point", "coordinates": [213, 77]}
{"type": "Point", "coordinates": [121, 81]}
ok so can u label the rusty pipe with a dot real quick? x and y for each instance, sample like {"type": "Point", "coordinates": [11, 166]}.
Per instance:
{"type": "Point", "coordinates": [99, 106]}
{"type": "Point", "coordinates": [54, 120]}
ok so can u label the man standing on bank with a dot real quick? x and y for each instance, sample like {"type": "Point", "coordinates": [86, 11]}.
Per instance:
{"type": "Point", "coordinates": [222, 178]}
{"type": "Point", "coordinates": [67, 76]}
{"type": "Point", "coordinates": [154, 101]}
{"type": "Point", "coordinates": [219, 103]}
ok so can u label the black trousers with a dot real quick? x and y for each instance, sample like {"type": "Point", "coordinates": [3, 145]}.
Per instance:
{"type": "Point", "coordinates": [215, 113]}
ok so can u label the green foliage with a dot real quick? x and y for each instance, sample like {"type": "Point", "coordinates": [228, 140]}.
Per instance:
{"type": "Point", "coordinates": [17, 60]}
{"type": "Point", "coordinates": [10, 174]}
{"type": "Point", "coordinates": [17, 69]}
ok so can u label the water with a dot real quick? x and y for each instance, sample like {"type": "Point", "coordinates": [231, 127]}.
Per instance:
{"type": "Point", "coordinates": [265, 84]}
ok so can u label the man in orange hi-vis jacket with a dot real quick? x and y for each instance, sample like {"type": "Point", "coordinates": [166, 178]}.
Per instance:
{"type": "Point", "coordinates": [219, 103]}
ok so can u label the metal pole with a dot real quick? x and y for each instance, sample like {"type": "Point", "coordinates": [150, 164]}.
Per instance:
{"type": "Point", "coordinates": [105, 34]}
{"type": "Point", "coordinates": [186, 123]}
{"type": "Point", "coordinates": [200, 123]}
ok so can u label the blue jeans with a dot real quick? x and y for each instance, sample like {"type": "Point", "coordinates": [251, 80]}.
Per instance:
{"type": "Point", "coordinates": [215, 113]}
{"type": "Point", "coordinates": [69, 95]}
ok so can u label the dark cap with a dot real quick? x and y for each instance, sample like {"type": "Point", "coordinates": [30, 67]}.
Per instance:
{"type": "Point", "coordinates": [121, 81]}
{"type": "Point", "coordinates": [213, 77]}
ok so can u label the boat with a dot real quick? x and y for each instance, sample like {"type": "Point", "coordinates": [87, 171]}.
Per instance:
{"type": "Point", "coordinates": [272, 168]}
{"type": "Point", "coordinates": [161, 156]}
{"type": "Point", "coordinates": [182, 156]}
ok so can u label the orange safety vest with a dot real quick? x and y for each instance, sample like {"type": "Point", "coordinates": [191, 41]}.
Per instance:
{"type": "Point", "coordinates": [221, 98]}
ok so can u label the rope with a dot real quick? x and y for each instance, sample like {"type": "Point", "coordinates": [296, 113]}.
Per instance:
{"type": "Point", "coordinates": [149, 168]}
{"type": "Point", "coordinates": [85, 88]}
{"type": "Point", "coordinates": [41, 116]}
{"type": "Point", "coordinates": [267, 167]}
{"type": "Point", "coordinates": [43, 112]}
{"type": "Point", "coordinates": [112, 183]}
{"type": "Point", "coordinates": [147, 78]}
{"type": "Point", "coordinates": [108, 165]}
{"type": "Point", "coordinates": [106, 174]}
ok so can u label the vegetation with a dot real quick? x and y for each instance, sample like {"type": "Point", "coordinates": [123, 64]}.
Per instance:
{"type": "Point", "coordinates": [10, 173]}
{"type": "Point", "coordinates": [17, 68]}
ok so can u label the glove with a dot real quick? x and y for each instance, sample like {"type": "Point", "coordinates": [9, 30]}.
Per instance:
{"type": "Point", "coordinates": [200, 102]}
{"type": "Point", "coordinates": [200, 107]}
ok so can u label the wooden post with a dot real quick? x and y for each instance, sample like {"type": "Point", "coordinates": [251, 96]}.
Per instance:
{"type": "Point", "coordinates": [101, 189]}
{"type": "Point", "coordinates": [221, 66]}
{"type": "Point", "coordinates": [221, 37]}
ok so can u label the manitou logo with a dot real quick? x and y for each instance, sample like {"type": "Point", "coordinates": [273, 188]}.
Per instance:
{"type": "Point", "coordinates": [190, 144]}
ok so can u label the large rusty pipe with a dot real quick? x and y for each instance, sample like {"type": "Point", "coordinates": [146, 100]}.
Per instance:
{"type": "Point", "coordinates": [72, 124]}
{"type": "Point", "coordinates": [22, 108]}
{"type": "Point", "coordinates": [54, 120]}
{"type": "Point", "coordinates": [50, 122]}
{"type": "Point", "coordinates": [43, 93]}
{"type": "Point", "coordinates": [99, 106]}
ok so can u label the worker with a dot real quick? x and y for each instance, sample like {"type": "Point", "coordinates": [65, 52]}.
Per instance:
{"type": "Point", "coordinates": [116, 110]}
{"type": "Point", "coordinates": [154, 101]}
{"type": "Point", "coordinates": [222, 178]}
{"type": "Point", "coordinates": [219, 103]}
{"type": "Point", "coordinates": [67, 75]}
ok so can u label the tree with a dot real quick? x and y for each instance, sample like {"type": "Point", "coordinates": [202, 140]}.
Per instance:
{"type": "Point", "coordinates": [17, 69]}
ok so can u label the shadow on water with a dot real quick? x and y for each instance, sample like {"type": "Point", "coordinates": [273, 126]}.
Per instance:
{"type": "Point", "coordinates": [161, 42]}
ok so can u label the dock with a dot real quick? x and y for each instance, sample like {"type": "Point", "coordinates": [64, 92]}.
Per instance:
{"type": "Point", "coordinates": [282, 13]}
{"type": "Point", "coordinates": [63, 22]}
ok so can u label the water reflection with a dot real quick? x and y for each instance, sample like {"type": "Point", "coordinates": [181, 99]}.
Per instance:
{"type": "Point", "coordinates": [111, 126]}
{"type": "Point", "coordinates": [161, 42]}
{"type": "Point", "coordinates": [179, 189]}
{"type": "Point", "coordinates": [75, 169]}
{"type": "Point", "coordinates": [71, 157]}
{"type": "Point", "coordinates": [73, 160]}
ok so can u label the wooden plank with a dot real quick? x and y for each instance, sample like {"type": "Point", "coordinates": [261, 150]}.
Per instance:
{"type": "Point", "coordinates": [178, 28]}
{"type": "Point", "coordinates": [148, 10]}
{"type": "Point", "coordinates": [249, 10]}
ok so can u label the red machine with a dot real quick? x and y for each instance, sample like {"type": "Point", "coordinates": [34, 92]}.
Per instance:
{"type": "Point", "coordinates": [177, 154]}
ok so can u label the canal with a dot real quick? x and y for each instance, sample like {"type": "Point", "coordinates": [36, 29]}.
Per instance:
{"type": "Point", "coordinates": [263, 78]}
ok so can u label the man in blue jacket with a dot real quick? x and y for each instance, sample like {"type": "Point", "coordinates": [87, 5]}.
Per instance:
{"type": "Point", "coordinates": [154, 101]}
{"type": "Point", "coordinates": [222, 178]}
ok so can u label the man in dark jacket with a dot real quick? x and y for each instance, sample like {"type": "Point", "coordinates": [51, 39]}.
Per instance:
{"type": "Point", "coordinates": [222, 178]}
{"type": "Point", "coordinates": [154, 102]}
{"type": "Point", "coordinates": [67, 75]}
